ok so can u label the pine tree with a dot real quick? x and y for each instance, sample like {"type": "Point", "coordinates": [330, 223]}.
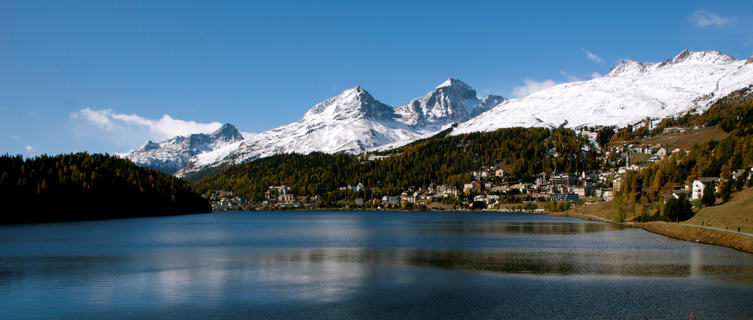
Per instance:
{"type": "Point", "coordinates": [708, 199]}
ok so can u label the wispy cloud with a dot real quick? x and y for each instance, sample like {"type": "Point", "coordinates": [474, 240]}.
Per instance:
{"type": "Point", "coordinates": [705, 18]}
{"type": "Point", "coordinates": [592, 56]}
{"type": "Point", "coordinates": [132, 130]}
{"type": "Point", "coordinates": [531, 86]}
{"type": "Point", "coordinates": [29, 148]}
{"type": "Point", "coordinates": [569, 77]}
{"type": "Point", "coordinates": [595, 75]}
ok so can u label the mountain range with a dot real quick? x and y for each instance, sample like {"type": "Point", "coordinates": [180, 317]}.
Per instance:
{"type": "Point", "coordinates": [354, 121]}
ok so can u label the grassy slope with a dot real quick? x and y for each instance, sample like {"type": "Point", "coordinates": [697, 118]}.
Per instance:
{"type": "Point", "coordinates": [599, 209]}
{"type": "Point", "coordinates": [737, 212]}
{"type": "Point", "coordinates": [684, 140]}
{"type": "Point", "coordinates": [696, 234]}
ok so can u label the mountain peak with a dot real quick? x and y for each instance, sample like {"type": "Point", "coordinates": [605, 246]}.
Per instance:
{"type": "Point", "coordinates": [453, 83]}
{"type": "Point", "coordinates": [710, 56]}
{"type": "Point", "coordinates": [150, 145]}
{"type": "Point", "coordinates": [350, 104]}
{"type": "Point", "coordinates": [626, 66]}
{"type": "Point", "coordinates": [227, 132]}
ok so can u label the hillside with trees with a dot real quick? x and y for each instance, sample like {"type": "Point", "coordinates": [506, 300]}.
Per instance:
{"type": "Point", "coordinates": [85, 186]}
{"type": "Point", "coordinates": [644, 189]}
{"type": "Point", "coordinates": [442, 159]}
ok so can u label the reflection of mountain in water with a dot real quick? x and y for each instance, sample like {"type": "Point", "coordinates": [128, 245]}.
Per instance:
{"type": "Point", "coordinates": [628, 263]}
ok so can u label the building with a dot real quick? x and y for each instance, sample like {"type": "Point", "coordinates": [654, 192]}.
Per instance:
{"type": "Point", "coordinates": [391, 200]}
{"type": "Point", "coordinates": [580, 191]}
{"type": "Point", "coordinates": [564, 197]}
{"type": "Point", "coordinates": [617, 184]}
{"type": "Point", "coordinates": [565, 179]}
{"type": "Point", "coordinates": [700, 184]}
{"type": "Point", "coordinates": [286, 198]}
{"type": "Point", "coordinates": [541, 179]}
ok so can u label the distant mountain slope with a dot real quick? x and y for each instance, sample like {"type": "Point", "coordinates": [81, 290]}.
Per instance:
{"type": "Point", "coordinates": [354, 121]}
{"type": "Point", "coordinates": [351, 122]}
{"type": "Point", "coordinates": [451, 102]}
{"type": "Point", "coordinates": [630, 92]}
{"type": "Point", "coordinates": [171, 155]}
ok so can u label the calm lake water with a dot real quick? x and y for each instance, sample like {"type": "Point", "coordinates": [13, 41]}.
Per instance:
{"type": "Point", "coordinates": [345, 265]}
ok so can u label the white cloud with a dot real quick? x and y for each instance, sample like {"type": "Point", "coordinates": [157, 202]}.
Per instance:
{"type": "Point", "coordinates": [130, 130]}
{"type": "Point", "coordinates": [162, 128]}
{"type": "Point", "coordinates": [99, 117]}
{"type": "Point", "coordinates": [704, 18]}
{"type": "Point", "coordinates": [29, 148]}
{"type": "Point", "coordinates": [595, 75]}
{"type": "Point", "coordinates": [592, 56]}
{"type": "Point", "coordinates": [530, 87]}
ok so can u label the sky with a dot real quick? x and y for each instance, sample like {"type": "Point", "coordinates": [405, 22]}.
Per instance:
{"type": "Point", "coordinates": [106, 76]}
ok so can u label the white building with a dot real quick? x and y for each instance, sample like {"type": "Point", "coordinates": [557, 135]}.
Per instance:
{"type": "Point", "coordinates": [700, 185]}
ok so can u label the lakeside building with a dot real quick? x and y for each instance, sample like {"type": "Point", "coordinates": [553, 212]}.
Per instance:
{"type": "Point", "coordinates": [700, 184]}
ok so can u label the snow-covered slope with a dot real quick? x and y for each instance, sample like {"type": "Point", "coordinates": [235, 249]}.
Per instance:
{"type": "Point", "coordinates": [630, 92]}
{"type": "Point", "coordinates": [171, 155]}
{"type": "Point", "coordinates": [352, 122]}
{"type": "Point", "coordinates": [451, 102]}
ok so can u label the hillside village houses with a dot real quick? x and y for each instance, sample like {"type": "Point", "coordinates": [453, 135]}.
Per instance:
{"type": "Point", "coordinates": [490, 186]}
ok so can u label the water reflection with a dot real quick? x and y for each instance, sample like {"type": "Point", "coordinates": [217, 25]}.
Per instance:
{"type": "Point", "coordinates": [472, 227]}
{"type": "Point", "coordinates": [623, 263]}
{"type": "Point", "coordinates": [401, 265]}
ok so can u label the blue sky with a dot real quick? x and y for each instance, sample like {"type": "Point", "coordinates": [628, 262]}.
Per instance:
{"type": "Point", "coordinates": [106, 76]}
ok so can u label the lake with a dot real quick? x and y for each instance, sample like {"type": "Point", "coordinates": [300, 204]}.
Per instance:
{"type": "Point", "coordinates": [350, 265]}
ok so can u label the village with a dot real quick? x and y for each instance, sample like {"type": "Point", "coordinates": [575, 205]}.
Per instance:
{"type": "Point", "coordinates": [490, 188]}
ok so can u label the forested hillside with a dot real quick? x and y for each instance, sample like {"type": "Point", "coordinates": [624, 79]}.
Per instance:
{"type": "Point", "coordinates": [89, 186]}
{"type": "Point", "coordinates": [643, 190]}
{"type": "Point", "coordinates": [444, 159]}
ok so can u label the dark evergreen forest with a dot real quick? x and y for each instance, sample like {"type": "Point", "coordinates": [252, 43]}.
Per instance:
{"type": "Point", "coordinates": [85, 186]}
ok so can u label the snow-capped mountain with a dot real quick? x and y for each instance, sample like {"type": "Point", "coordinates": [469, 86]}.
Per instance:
{"type": "Point", "coordinates": [354, 121]}
{"type": "Point", "coordinates": [451, 102]}
{"type": "Point", "coordinates": [171, 155]}
{"type": "Point", "coordinates": [629, 93]}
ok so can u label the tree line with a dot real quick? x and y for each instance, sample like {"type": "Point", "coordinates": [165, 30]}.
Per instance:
{"type": "Point", "coordinates": [84, 186]}
{"type": "Point", "coordinates": [442, 159]}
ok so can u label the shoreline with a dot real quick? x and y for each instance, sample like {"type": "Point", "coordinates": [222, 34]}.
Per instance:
{"type": "Point", "coordinates": [700, 235]}
{"type": "Point", "coordinates": [678, 231]}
